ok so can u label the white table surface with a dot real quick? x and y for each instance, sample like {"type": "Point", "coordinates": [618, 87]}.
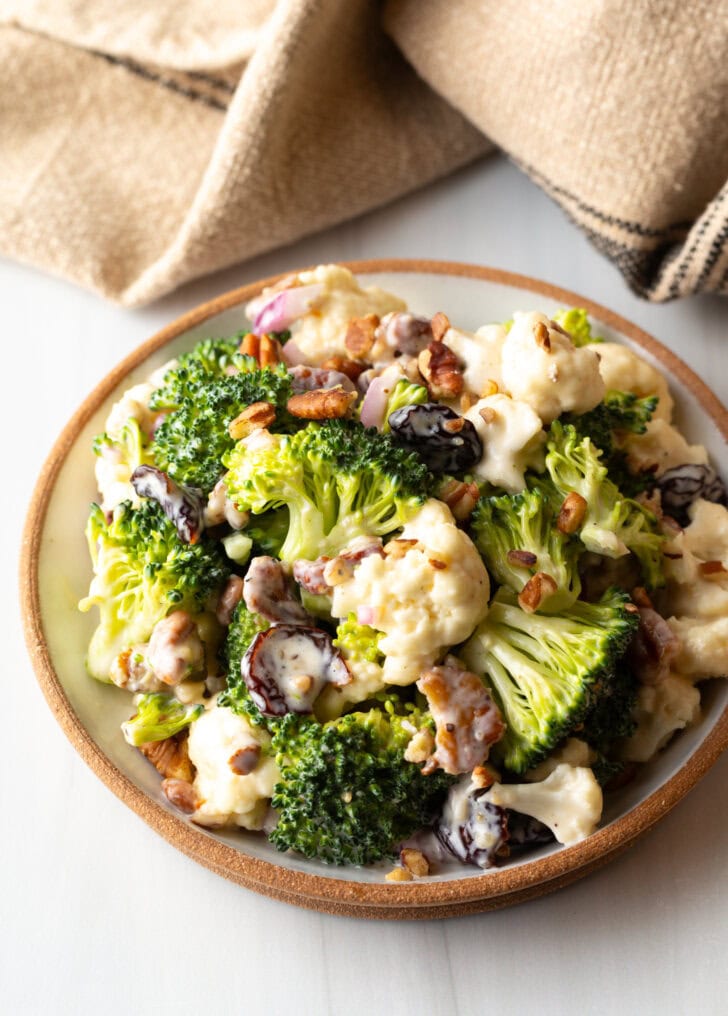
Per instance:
{"type": "Point", "coordinates": [100, 915]}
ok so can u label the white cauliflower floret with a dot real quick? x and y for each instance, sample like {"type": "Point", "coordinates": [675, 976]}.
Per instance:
{"type": "Point", "coordinates": [572, 752]}
{"type": "Point", "coordinates": [569, 801]}
{"type": "Point", "coordinates": [320, 333]}
{"type": "Point", "coordinates": [425, 595]}
{"type": "Point", "coordinates": [698, 602]}
{"type": "Point", "coordinates": [230, 799]}
{"type": "Point", "coordinates": [480, 355]}
{"type": "Point", "coordinates": [660, 448]}
{"type": "Point", "coordinates": [513, 441]}
{"type": "Point", "coordinates": [549, 372]}
{"type": "Point", "coordinates": [661, 709]}
{"type": "Point", "coordinates": [367, 678]}
{"type": "Point", "coordinates": [624, 371]}
{"type": "Point", "coordinates": [112, 467]}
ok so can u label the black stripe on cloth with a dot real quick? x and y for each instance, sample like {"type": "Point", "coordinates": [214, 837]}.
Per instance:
{"type": "Point", "coordinates": [166, 81]}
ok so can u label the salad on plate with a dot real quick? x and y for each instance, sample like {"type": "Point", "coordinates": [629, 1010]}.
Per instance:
{"type": "Point", "coordinates": [385, 590]}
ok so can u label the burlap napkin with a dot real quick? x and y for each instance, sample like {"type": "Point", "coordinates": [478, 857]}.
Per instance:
{"type": "Point", "coordinates": [142, 145]}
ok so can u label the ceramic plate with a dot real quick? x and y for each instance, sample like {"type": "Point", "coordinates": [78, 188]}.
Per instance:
{"type": "Point", "coordinates": [55, 574]}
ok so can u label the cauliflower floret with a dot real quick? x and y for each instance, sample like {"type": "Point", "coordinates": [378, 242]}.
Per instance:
{"type": "Point", "coordinates": [424, 595]}
{"type": "Point", "coordinates": [707, 534]}
{"type": "Point", "coordinates": [569, 801]}
{"type": "Point", "coordinates": [703, 646]}
{"type": "Point", "coordinates": [367, 680]}
{"type": "Point", "coordinates": [480, 355]}
{"type": "Point", "coordinates": [541, 366]}
{"type": "Point", "coordinates": [661, 709]}
{"type": "Point", "coordinates": [624, 371]}
{"type": "Point", "coordinates": [572, 752]}
{"type": "Point", "coordinates": [513, 441]}
{"type": "Point", "coordinates": [218, 739]}
{"type": "Point", "coordinates": [112, 468]}
{"type": "Point", "coordinates": [660, 448]}
{"type": "Point", "coordinates": [320, 333]}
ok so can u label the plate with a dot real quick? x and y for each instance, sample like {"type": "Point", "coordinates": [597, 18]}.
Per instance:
{"type": "Point", "coordinates": [55, 573]}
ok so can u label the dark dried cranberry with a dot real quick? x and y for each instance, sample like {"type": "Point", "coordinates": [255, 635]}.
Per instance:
{"type": "Point", "coordinates": [405, 333]}
{"type": "Point", "coordinates": [445, 441]}
{"type": "Point", "coordinates": [471, 827]}
{"type": "Point", "coordinates": [308, 379]}
{"type": "Point", "coordinates": [267, 591]}
{"type": "Point", "coordinates": [682, 485]}
{"type": "Point", "coordinates": [525, 831]}
{"type": "Point", "coordinates": [287, 666]}
{"type": "Point", "coordinates": [182, 505]}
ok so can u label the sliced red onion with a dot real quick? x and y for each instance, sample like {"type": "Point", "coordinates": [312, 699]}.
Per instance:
{"type": "Point", "coordinates": [374, 403]}
{"type": "Point", "coordinates": [365, 615]}
{"type": "Point", "coordinates": [292, 355]}
{"type": "Point", "coordinates": [273, 312]}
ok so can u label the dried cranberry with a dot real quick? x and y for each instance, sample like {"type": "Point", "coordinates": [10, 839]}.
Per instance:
{"type": "Point", "coordinates": [445, 441]}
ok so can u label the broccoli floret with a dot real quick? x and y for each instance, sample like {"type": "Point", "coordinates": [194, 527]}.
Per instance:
{"type": "Point", "coordinates": [618, 414]}
{"type": "Point", "coordinates": [244, 626]}
{"type": "Point", "coordinates": [158, 717]}
{"type": "Point", "coordinates": [142, 571]}
{"type": "Point", "coordinates": [347, 795]}
{"type": "Point", "coordinates": [131, 447]}
{"type": "Point", "coordinates": [359, 641]}
{"type": "Point", "coordinates": [190, 442]}
{"type": "Point", "coordinates": [611, 714]}
{"type": "Point", "coordinates": [268, 532]}
{"type": "Point", "coordinates": [527, 522]}
{"type": "Point", "coordinates": [576, 323]}
{"type": "Point", "coordinates": [404, 393]}
{"type": "Point", "coordinates": [613, 524]}
{"type": "Point", "coordinates": [547, 672]}
{"type": "Point", "coordinates": [338, 480]}
{"type": "Point", "coordinates": [210, 359]}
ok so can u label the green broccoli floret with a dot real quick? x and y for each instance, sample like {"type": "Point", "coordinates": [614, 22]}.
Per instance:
{"type": "Point", "coordinates": [547, 672]}
{"type": "Point", "coordinates": [131, 447]}
{"type": "Point", "coordinates": [210, 359]}
{"type": "Point", "coordinates": [142, 571]}
{"type": "Point", "coordinates": [611, 714]}
{"type": "Point", "coordinates": [190, 442]}
{"type": "Point", "coordinates": [346, 794]}
{"type": "Point", "coordinates": [158, 717]}
{"type": "Point", "coordinates": [244, 626]}
{"type": "Point", "coordinates": [359, 641]}
{"type": "Point", "coordinates": [527, 522]}
{"type": "Point", "coordinates": [613, 524]}
{"type": "Point", "coordinates": [404, 393]}
{"type": "Point", "coordinates": [576, 322]}
{"type": "Point", "coordinates": [338, 480]}
{"type": "Point", "coordinates": [268, 532]}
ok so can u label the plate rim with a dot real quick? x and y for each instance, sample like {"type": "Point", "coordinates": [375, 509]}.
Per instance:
{"type": "Point", "coordinates": [493, 889]}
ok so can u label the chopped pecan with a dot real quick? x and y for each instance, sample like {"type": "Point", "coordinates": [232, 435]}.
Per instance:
{"type": "Point", "coordinates": [440, 324]}
{"type": "Point", "coordinates": [414, 861]}
{"type": "Point", "coordinates": [399, 875]}
{"type": "Point", "coordinates": [322, 404]}
{"type": "Point", "coordinates": [461, 498]}
{"type": "Point", "coordinates": [169, 757]}
{"type": "Point", "coordinates": [441, 369]}
{"type": "Point", "coordinates": [256, 416]}
{"type": "Point", "coordinates": [263, 348]}
{"type": "Point", "coordinates": [521, 558]}
{"type": "Point", "coordinates": [487, 414]}
{"type": "Point", "coordinates": [571, 513]}
{"type": "Point", "coordinates": [641, 597]}
{"type": "Point", "coordinates": [398, 548]}
{"type": "Point", "coordinates": [352, 368]}
{"type": "Point", "coordinates": [542, 337]}
{"type": "Point", "coordinates": [467, 401]}
{"type": "Point", "coordinates": [489, 388]}
{"type": "Point", "coordinates": [653, 647]}
{"type": "Point", "coordinates": [181, 794]}
{"type": "Point", "coordinates": [485, 776]}
{"type": "Point", "coordinates": [230, 597]}
{"type": "Point", "coordinates": [359, 337]}
{"type": "Point", "coordinates": [536, 591]}
{"type": "Point", "coordinates": [713, 570]}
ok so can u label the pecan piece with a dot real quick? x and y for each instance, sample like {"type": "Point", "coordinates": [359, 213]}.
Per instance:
{"type": "Point", "coordinates": [244, 760]}
{"type": "Point", "coordinates": [713, 570]}
{"type": "Point", "coordinates": [414, 861]}
{"type": "Point", "coordinates": [536, 591]}
{"type": "Point", "coordinates": [169, 757]}
{"type": "Point", "coordinates": [322, 404]}
{"type": "Point", "coordinates": [359, 337]}
{"type": "Point", "coordinates": [571, 513]}
{"type": "Point", "coordinates": [263, 348]}
{"type": "Point", "coordinates": [542, 337]}
{"type": "Point", "coordinates": [440, 324]}
{"type": "Point", "coordinates": [521, 558]}
{"type": "Point", "coordinates": [256, 416]}
{"type": "Point", "coordinates": [181, 794]}
{"type": "Point", "coordinates": [351, 368]}
{"type": "Point", "coordinates": [441, 369]}
{"type": "Point", "coordinates": [461, 498]}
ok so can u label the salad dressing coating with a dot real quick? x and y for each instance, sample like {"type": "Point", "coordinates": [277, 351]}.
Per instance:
{"type": "Point", "coordinates": [515, 497]}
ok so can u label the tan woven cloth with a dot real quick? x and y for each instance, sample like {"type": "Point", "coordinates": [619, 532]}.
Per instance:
{"type": "Point", "coordinates": [143, 145]}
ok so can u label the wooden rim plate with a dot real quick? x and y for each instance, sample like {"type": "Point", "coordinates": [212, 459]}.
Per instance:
{"type": "Point", "coordinates": [304, 883]}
